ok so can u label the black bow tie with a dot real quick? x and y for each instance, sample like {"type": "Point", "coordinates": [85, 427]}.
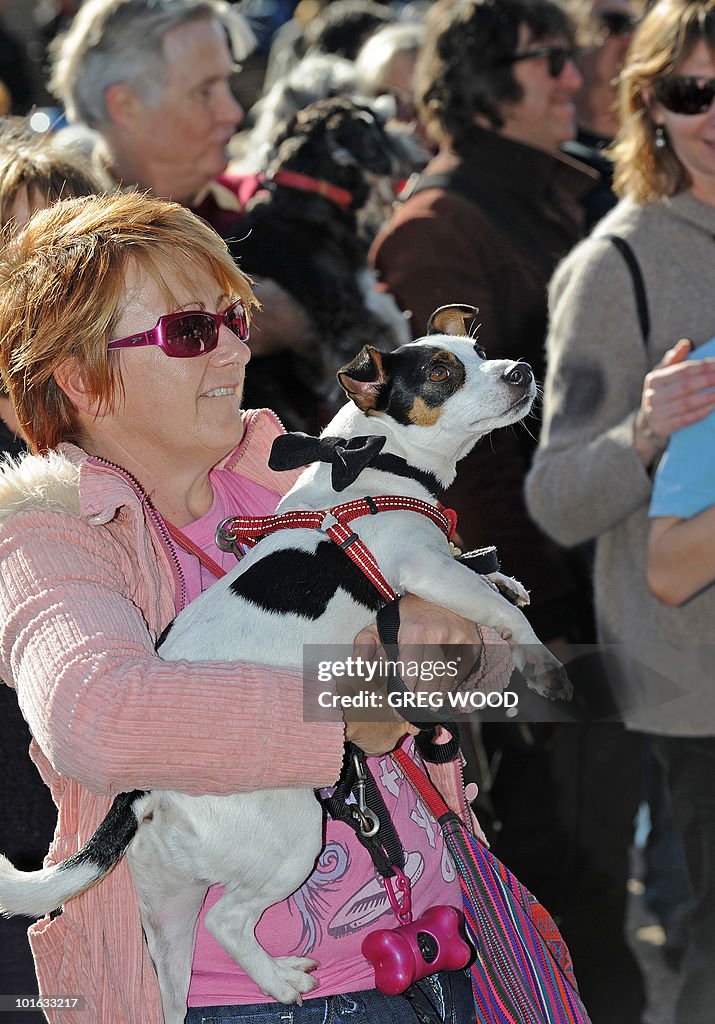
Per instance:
{"type": "Point", "coordinates": [348, 457]}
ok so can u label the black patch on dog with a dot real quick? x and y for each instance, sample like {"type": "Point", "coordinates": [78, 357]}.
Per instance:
{"type": "Point", "coordinates": [164, 635]}
{"type": "Point", "coordinates": [303, 582]}
{"type": "Point", "coordinates": [584, 389]}
{"type": "Point", "coordinates": [108, 843]}
{"type": "Point", "coordinates": [408, 386]}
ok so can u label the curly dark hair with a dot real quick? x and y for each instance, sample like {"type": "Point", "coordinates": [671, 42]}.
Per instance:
{"type": "Point", "coordinates": [463, 71]}
{"type": "Point", "coordinates": [344, 26]}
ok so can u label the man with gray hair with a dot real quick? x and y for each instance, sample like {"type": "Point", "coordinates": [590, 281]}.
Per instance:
{"type": "Point", "coordinates": [152, 78]}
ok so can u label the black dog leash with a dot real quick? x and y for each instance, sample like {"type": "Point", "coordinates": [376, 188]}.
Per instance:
{"type": "Point", "coordinates": [370, 820]}
{"type": "Point", "coordinates": [367, 816]}
{"type": "Point", "coordinates": [388, 626]}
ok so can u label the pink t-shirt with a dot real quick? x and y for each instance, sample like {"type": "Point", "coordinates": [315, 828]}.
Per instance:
{"type": "Point", "coordinates": [344, 899]}
{"type": "Point", "coordinates": [234, 495]}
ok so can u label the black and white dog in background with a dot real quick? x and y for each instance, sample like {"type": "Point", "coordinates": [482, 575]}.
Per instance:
{"type": "Point", "coordinates": [431, 401]}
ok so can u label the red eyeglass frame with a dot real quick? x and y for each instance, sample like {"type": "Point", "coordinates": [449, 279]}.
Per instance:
{"type": "Point", "coordinates": [158, 334]}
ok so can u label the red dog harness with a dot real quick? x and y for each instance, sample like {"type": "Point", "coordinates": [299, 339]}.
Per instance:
{"type": "Point", "coordinates": [335, 524]}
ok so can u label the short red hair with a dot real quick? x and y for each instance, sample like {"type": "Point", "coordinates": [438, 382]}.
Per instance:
{"type": "Point", "coordinates": [62, 280]}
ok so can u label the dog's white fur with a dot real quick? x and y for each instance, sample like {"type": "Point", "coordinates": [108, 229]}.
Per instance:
{"type": "Point", "coordinates": [262, 846]}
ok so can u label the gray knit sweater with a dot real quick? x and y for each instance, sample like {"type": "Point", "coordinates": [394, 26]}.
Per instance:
{"type": "Point", "coordinates": [588, 481]}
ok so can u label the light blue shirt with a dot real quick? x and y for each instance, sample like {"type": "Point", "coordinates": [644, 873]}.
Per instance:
{"type": "Point", "coordinates": [685, 482]}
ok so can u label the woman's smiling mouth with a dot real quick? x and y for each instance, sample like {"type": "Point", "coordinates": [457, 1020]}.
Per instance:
{"type": "Point", "coordinates": [218, 393]}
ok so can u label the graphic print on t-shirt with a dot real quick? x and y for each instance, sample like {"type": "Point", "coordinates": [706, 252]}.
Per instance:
{"type": "Point", "coordinates": [323, 902]}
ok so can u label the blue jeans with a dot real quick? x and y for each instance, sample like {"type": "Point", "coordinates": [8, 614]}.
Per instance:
{"type": "Point", "coordinates": [450, 992]}
{"type": "Point", "coordinates": [667, 889]}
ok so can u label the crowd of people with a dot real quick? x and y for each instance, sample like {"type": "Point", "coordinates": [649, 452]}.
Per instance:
{"type": "Point", "coordinates": [550, 162]}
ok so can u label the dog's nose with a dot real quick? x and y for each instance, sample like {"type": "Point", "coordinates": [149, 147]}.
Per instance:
{"type": "Point", "coordinates": [520, 374]}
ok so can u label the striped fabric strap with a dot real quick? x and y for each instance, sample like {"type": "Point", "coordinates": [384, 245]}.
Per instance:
{"type": "Point", "coordinates": [360, 555]}
{"type": "Point", "coordinates": [523, 972]}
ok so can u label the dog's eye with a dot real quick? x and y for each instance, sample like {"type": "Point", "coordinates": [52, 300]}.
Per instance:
{"type": "Point", "coordinates": [480, 351]}
{"type": "Point", "coordinates": [438, 373]}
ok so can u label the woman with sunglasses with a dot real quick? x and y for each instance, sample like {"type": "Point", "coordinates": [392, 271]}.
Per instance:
{"type": "Point", "coordinates": [124, 323]}
{"type": "Point", "coordinates": [618, 386]}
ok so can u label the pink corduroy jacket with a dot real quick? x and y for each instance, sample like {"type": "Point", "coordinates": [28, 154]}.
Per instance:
{"type": "Point", "coordinates": [88, 581]}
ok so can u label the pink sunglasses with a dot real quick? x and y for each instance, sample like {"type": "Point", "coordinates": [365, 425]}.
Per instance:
{"type": "Point", "coordinates": [183, 335]}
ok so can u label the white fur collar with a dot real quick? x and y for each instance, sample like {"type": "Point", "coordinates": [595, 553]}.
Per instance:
{"type": "Point", "coordinates": [39, 482]}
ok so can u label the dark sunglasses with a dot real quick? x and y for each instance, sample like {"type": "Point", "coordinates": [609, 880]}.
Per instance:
{"type": "Point", "coordinates": [685, 94]}
{"type": "Point", "coordinates": [183, 335]}
{"type": "Point", "coordinates": [557, 56]}
{"type": "Point", "coordinates": [617, 23]}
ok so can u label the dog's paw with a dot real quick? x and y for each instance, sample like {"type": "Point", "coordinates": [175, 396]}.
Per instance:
{"type": "Point", "coordinates": [510, 588]}
{"type": "Point", "coordinates": [292, 979]}
{"type": "Point", "coordinates": [518, 658]}
{"type": "Point", "coordinates": [547, 677]}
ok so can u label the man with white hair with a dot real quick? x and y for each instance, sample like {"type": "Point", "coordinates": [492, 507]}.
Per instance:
{"type": "Point", "coordinates": [152, 78]}
{"type": "Point", "coordinates": [385, 65]}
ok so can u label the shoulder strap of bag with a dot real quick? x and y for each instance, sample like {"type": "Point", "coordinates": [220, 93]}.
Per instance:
{"type": "Point", "coordinates": [523, 974]}
{"type": "Point", "coordinates": [638, 283]}
{"type": "Point", "coordinates": [453, 181]}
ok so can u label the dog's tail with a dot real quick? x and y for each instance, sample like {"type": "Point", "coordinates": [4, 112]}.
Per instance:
{"type": "Point", "coordinates": [35, 893]}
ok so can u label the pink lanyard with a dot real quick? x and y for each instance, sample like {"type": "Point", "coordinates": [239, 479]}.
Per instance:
{"type": "Point", "coordinates": [188, 545]}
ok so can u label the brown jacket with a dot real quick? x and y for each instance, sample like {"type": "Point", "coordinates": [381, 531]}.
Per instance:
{"type": "Point", "coordinates": [440, 247]}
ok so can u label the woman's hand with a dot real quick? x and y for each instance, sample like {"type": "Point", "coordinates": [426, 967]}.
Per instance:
{"type": "Point", "coordinates": [376, 738]}
{"type": "Point", "coordinates": [675, 394]}
{"type": "Point", "coordinates": [425, 630]}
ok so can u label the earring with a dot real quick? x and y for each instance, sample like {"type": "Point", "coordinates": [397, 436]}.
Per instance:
{"type": "Point", "coordinates": [660, 139]}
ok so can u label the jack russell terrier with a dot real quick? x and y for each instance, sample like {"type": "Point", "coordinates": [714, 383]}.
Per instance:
{"type": "Point", "coordinates": [413, 413]}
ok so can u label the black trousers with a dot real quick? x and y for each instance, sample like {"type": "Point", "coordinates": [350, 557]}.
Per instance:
{"type": "Point", "coordinates": [563, 803]}
{"type": "Point", "coordinates": [690, 771]}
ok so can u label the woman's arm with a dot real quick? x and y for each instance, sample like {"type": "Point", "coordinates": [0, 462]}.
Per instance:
{"type": "Point", "coordinates": [588, 475]}
{"type": "Point", "coordinates": [681, 556]}
{"type": "Point", "coordinates": [107, 711]}
{"type": "Point", "coordinates": [607, 414]}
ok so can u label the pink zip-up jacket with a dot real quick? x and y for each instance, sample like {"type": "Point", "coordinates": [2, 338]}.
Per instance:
{"type": "Point", "coordinates": [88, 580]}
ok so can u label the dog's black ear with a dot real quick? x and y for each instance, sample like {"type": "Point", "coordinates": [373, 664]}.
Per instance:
{"type": "Point", "coordinates": [453, 319]}
{"type": "Point", "coordinates": [364, 378]}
